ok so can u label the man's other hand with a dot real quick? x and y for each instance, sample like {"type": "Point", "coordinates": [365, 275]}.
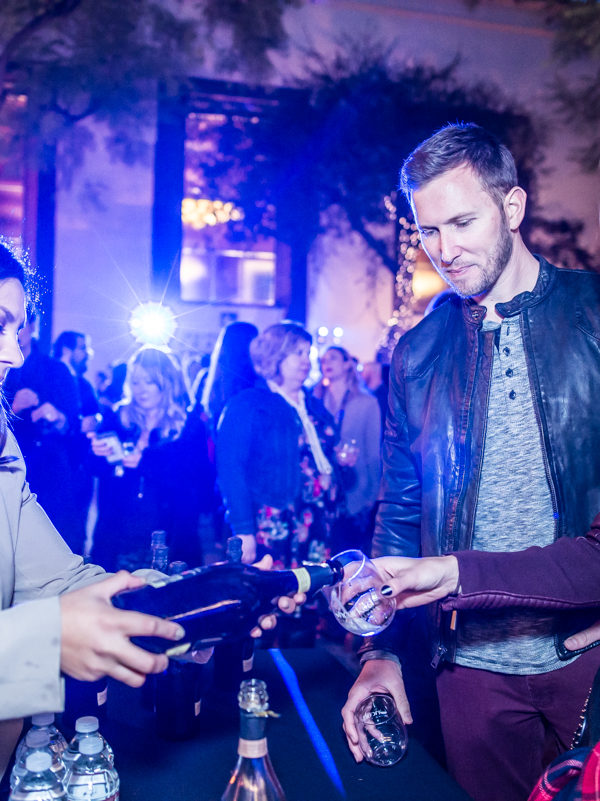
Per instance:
{"type": "Point", "coordinates": [583, 638]}
{"type": "Point", "coordinates": [376, 676]}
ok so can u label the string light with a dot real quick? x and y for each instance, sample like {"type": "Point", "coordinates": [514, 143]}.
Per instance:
{"type": "Point", "coordinates": [405, 315]}
{"type": "Point", "coordinates": [201, 212]}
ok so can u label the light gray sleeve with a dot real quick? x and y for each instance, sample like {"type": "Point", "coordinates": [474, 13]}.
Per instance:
{"type": "Point", "coordinates": [44, 565]}
{"type": "Point", "coordinates": [30, 680]}
{"type": "Point", "coordinates": [36, 566]}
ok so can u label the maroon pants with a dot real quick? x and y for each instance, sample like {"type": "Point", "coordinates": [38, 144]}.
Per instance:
{"type": "Point", "coordinates": [501, 731]}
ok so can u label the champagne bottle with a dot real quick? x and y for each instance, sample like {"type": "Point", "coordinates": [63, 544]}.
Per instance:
{"type": "Point", "coordinates": [233, 661]}
{"type": "Point", "coordinates": [253, 778]}
{"type": "Point", "coordinates": [178, 693]}
{"type": "Point", "coordinates": [220, 602]}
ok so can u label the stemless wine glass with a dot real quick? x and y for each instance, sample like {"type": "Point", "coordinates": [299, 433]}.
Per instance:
{"type": "Point", "coordinates": [382, 735]}
{"type": "Point", "coordinates": [356, 601]}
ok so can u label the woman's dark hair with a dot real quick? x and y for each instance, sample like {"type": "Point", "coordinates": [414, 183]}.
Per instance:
{"type": "Point", "coordinates": [453, 146]}
{"type": "Point", "coordinates": [231, 368]}
{"type": "Point", "coordinates": [10, 267]}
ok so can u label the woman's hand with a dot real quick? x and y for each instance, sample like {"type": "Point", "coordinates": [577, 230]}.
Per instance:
{"type": "Point", "coordinates": [95, 636]}
{"type": "Point", "coordinates": [131, 458]}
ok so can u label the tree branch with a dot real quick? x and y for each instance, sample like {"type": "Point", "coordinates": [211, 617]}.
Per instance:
{"type": "Point", "coordinates": [61, 8]}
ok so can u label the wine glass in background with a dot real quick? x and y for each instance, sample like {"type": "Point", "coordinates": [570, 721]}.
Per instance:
{"type": "Point", "coordinates": [382, 735]}
{"type": "Point", "coordinates": [356, 601]}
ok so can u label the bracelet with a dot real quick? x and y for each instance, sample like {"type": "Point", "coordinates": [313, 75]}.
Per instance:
{"type": "Point", "coordinates": [378, 653]}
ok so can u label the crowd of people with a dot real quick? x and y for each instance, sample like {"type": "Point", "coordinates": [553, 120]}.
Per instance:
{"type": "Point", "coordinates": [490, 478]}
{"type": "Point", "coordinates": [249, 448]}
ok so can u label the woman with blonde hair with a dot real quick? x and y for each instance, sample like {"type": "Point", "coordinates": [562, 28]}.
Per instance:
{"type": "Point", "coordinates": [275, 454]}
{"type": "Point", "coordinates": [149, 468]}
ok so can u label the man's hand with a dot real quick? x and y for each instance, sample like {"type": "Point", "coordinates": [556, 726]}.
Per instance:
{"type": "Point", "coordinates": [285, 603]}
{"type": "Point", "coordinates": [415, 582]}
{"type": "Point", "coordinates": [50, 414]}
{"type": "Point", "coordinates": [583, 638]}
{"type": "Point", "coordinates": [376, 676]}
{"type": "Point", "coordinates": [24, 399]}
{"type": "Point", "coordinates": [95, 637]}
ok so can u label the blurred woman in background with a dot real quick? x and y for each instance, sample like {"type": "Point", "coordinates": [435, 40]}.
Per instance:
{"type": "Point", "coordinates": [275, 454]}
{"type": "Point", "coordinates": [231, 369]}
{"type": "Point", "coordinates": [356, 413]}
{"type": "Point", "coordinates": [152, 469]}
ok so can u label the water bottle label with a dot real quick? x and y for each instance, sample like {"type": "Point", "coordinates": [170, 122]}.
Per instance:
{"type": "Point", "coordinates": [248, 664]}
{"type": "Point", "coordinates": [94, 787]}
{"type": "Point", "coordinates": [102, 696]}
{"type": "Point", "coordinates": [197, 707]}
{"type": "Point", "coordinates": [252, 749]}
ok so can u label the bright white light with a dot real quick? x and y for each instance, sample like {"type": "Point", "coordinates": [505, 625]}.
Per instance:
{"type": "Point", "coordinates": [338, 332]}
{"type": "Point", "coordinates": [322, 331]}
{"type": "Point", "coordinates": [152, 324]}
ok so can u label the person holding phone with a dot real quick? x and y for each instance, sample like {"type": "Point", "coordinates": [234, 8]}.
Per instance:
{"type": "Point", "coordinates": [152, 467]}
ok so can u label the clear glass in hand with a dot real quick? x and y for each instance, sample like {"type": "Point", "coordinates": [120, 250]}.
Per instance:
{"type": "Point", "coordinates": [357, 602]}
{"type": "Point", "coordinates": [347, 453]}
{"type": "Point", "coordinates": [382, 735]}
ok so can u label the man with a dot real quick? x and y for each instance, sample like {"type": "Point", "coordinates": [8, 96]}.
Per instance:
{"type": "Point", "coordinates": [72, 349]}
{"type": "Point", "coordinates": [492, 443]}
{"type": "Point", "coordinates": [43, 397]}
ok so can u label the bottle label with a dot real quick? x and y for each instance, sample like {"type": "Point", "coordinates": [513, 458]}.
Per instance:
{"type": "Point", "coordinates": [91, 790]}
{"type": "Point", "coordinates": [248, 663]}
{"type": "Point", "coordinates": [197, 707]}
{"type": "Point", "coordinates": [303, 578]}
{"type": "Point", "coordinates": [102, 696]}
{"type": "Point", "coordinates": [252, 749]}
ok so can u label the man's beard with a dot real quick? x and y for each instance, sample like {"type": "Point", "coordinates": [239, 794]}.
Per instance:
{"type": "Point", "coordinates": [493, 268]}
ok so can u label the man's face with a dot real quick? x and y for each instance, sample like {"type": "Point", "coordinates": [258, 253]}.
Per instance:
{"type": "Point", "coordinates": [463, 231]}
{"type": "Point", "coordinates": [79, 356]}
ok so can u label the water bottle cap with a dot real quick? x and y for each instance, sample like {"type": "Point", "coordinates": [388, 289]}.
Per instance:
{"type": "Point", "coordinates": [91, 746]}
{"type": "Point", "coordinates": [158, 538]}
{"type": "Point", "coordinates": [86, 724]}
{"type": "Point", "coordinates": [43, 719]}
{"type": "Point", "coordinates": [38, 761]}
{"type": "Point", "coordinates": [37, 738]}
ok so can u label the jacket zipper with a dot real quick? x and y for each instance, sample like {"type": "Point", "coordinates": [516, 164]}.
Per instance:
{"type": "Point", "coordinates": [538, 416]}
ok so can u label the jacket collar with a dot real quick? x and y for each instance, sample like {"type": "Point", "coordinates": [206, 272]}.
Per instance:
{"type": "Point", "coordinates": [475, 314]}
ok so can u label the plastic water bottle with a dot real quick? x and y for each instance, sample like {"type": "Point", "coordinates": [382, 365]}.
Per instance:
{"type": "Point", "coordinates": [45, 722]}
{"type": "Point", "coordinates": [85, 728]}
{"type": "Point", "coordinates": [38, 782]}
{"type": "Point", "coordinates": [36, 741]}
{"type": "Point", "coordinates": [91, 777]}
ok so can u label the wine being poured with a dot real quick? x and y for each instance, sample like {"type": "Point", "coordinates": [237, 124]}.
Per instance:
{"type": "Point", "coordinates": [220, 602]}
{"type": "Point", "coordinates": [356, 601]}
